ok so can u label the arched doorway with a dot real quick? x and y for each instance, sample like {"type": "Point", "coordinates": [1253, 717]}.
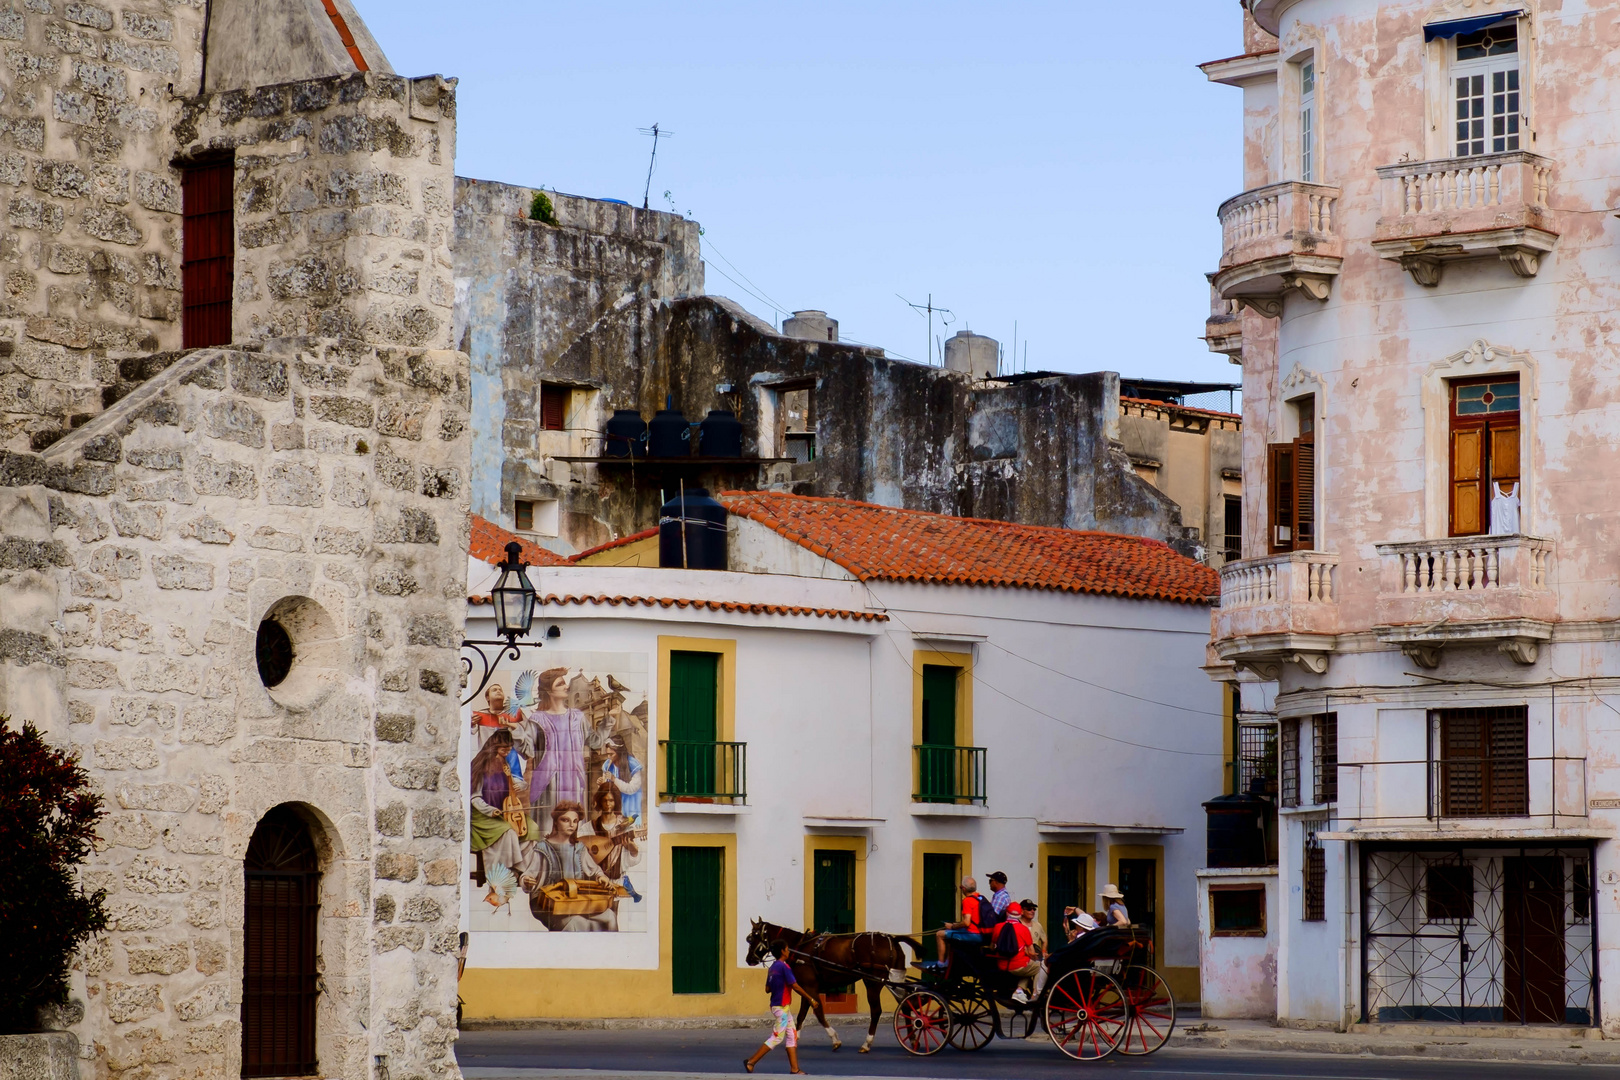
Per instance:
{"type": "Point", "coordinates": [279, 986]}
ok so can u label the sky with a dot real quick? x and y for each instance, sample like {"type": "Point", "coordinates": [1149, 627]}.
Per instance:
{"type": "Point", "coordinates": [1050, 166]}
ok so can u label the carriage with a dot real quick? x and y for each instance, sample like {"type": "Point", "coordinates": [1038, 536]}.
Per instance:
{"type": "Point", "coordinates": [1102, 995]}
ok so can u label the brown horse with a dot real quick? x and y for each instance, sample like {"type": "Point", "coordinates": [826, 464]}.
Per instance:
{"type": "Point", "coordinates": [821, 960]}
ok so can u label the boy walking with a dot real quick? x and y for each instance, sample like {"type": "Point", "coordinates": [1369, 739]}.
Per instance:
{"type": "Point", "coordinates": [781, 986]}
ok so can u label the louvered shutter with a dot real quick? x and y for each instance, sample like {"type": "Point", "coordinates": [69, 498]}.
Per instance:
{"type": "Point", "coordinates": [1281, 496]}
{"type": "Point", "coordinates": [1467, 474]}
{"type": "Point", "coordinates": [553, 408]}
{"type": "Point", "coordinates": [207, 254]}
{"type": "Point", "coordinates": [1304, 495]}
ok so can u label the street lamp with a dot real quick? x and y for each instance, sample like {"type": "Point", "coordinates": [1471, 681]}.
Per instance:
{"type": "Point", "coordinates": [514, 599]}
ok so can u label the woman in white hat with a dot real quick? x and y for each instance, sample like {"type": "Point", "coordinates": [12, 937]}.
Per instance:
{"type": "Point", "coordinates": [1115, 915]}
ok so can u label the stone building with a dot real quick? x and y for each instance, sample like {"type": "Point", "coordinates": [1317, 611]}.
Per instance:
{"type": "Point", "coordinates": [233, 487]}
{"type": "Point", "coordinates": [604, 309]}
{"type": "Point", "coordinates": [1421, 625]}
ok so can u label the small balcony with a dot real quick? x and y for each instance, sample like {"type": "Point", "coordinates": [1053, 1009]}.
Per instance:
{"type": "Point", "coordinates": [705, 773]}
{"type": "Point", "coordinates": [1491, 206]}
{"type": "Point", "coordinates": [948, 776]}
{"type": "Point", "coordinates": [1280, 609]}
{"type": "Point", "coordinates": [1277, 238]}
{"type": "Point", "coordinates": [1466, 590]}
{"type": "Point", "coordinates": [1223, 330]}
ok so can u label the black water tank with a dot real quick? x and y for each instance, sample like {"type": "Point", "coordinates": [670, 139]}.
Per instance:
{"type": "Point", "coordinates": [720, 434]}
{"type": "Point", "coordinates": [626, 435]}
{"type": "Point", "coordinates": [704, 523]}
{"type": "Point", "coordinates": [667, 435]}
{"type": "Point", "coordinates": [1236, 831]}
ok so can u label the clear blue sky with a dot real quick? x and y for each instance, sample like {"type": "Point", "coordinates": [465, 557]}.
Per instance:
{"type": "Point", "coordinates": [1057, 164]}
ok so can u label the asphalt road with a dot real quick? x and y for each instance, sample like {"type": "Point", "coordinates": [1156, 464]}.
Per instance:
{"type": "Point", "coordinates": [493, 1054]}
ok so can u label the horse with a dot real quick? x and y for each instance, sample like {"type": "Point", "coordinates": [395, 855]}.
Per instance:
{"type": "Point", "coordinates": [818, 960]}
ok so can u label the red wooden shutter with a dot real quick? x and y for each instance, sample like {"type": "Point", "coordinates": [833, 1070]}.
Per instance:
{"type": "Point", "coordinates": [553, 408]}
{"type": "Point", "coordinates": [208, 254]}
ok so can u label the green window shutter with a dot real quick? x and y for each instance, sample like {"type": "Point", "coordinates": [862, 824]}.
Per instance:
{"type": "Point", "coordinates": [1065, 887]}
{"type": "Point", "coordinates": [941, 875]}
{"type": "Point", "coordinates": [936, 769]}
{"type": "Point", "coordinates": [694, 723]}
{"type": "Point", "coordinates": [696, 944]}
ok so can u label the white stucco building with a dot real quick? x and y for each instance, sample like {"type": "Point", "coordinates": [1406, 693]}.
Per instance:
{"type": "Point", "coordinates": [1421, 625]}
{"type": "Point", "coordinates": [1051, 677]}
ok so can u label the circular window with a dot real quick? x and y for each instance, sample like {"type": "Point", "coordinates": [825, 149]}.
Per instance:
{"type": "Point", "coordinates": [274, 652]}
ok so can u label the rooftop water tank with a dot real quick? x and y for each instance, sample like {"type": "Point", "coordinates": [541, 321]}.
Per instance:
{"type": "Point", "coordinates": [692, 532]}
{"type": "Point", "coordinates": [720, 434]}
{"type": "Point", "coordinates": [668, 435]}
{"type": "Point", "coordinates": [626, 435]}
{"type": "Point", "coordinates": [810, 326]}
{"type": "Point", "coordinates": [1236, 831]}
{"type": "Point", "coordinates": [973, 354]}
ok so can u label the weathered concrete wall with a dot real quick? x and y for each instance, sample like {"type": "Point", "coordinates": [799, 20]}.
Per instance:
{"type": "Point", "coordinates": [324, 485]}
{"type": "Point", "coordinates": [1194, 456]}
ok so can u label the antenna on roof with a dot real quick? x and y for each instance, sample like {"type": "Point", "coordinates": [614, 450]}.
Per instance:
{"type": "Point", "coordinates": [656, 135]}
{"type": "Point", "coordinates": [930, 309]}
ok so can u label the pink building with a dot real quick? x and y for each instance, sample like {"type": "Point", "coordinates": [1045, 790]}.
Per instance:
{"type": "Point", "coordinates": [1421, 274]}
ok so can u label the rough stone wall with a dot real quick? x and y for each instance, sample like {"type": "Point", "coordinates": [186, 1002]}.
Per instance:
{"type": "Point", "coordinates": [343, 205]}
{"type": "Point", "coordinates": [325, 484]}
{"type": "Point", "coordinates": [89, 244]}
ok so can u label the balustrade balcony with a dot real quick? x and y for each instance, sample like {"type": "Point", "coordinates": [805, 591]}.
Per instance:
{"type": "Point", "coordinates": [1486, 206]}
{"type": "Point", "coordinates": [1480, 589]}
{"type": "Point", "coordinates": [1276, 238]}
{"type": "Point", "coordinates": [1277, 609]}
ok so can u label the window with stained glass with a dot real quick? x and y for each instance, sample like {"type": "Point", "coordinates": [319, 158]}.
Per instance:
{"type": "Point", "coordinates": [1485, 77]}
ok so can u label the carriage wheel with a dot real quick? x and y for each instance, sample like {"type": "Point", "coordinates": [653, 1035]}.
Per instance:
{"type": "Point", "coordinates": [922, 1023]}
{"type": "Point", "coordinates": [1085, 1014]}
{"type": "Point", "coordinates": [1152, 1013]}
{"type": "Point", "coordinates": [973, 1023]}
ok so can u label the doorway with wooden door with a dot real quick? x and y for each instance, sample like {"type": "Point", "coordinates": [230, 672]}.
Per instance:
{"type": "Point", "coordinates": [280, 977]}
{"type": "Point", "coordinates": [1533, 939]}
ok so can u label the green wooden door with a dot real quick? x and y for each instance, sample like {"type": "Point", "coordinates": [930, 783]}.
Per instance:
{"type": "Point", "coordinates": [694, 722]}
{"type": "Point", "coordinates": [1065, 887]}
{"type": "Point", "coordinates": [834, 894]}
{"type": "Point", "coordinates": [697, 875]}
{"type": "Point", "coordinates": [941, 875]}
{"type": "Point", "coordinates": [936, 765]}
{"type": "Point", "coordinates": [1138, 880]}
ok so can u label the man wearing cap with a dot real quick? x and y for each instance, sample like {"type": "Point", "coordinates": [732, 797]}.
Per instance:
{"type": "Point", "coordinates": [1015, 950]}
{"type": "Point", "coordinates": [1000, 898]}
{"type": "Point", "coordinates": [1115, 915]}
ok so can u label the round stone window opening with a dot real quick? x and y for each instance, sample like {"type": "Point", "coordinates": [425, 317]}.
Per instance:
{"type": "Point", "coordinates": [274, 652]}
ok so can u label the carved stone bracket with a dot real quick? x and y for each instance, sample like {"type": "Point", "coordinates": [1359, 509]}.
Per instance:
{"type": "Point", "coordinates": [1523, 261]}
{"type": "Point", "coordinates": [1270, 667]}
{"type": "Point", "coordinates": [1522, 650]}
{"type": "Point", "coordinates": [1425, 269]}
{"type": "Point", "coordinates": [1315, 286]}
{"type": "Point", "coordinates": [1269, 306]}
{"type": "Point", "coordinates": [1424, 654]}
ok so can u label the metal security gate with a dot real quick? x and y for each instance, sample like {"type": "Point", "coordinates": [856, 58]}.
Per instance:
{"type": "Point", "coordinates": [1478, 934]}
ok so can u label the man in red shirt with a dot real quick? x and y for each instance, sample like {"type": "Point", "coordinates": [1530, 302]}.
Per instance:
{"type": "Point", "coordinates": [1015, 950]}
{"type": "Point", "coordinates": [968, 929]}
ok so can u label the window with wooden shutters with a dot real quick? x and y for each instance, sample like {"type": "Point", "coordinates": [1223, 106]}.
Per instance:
{"type": "Point", "coordinates": [553, 407]}
{"type": "Point", "coordinates": [1325, 758]}
{"type": "Point", "coordinates": [279, 977]}
{"type": "Point", "coordinates": [207, 253]}
{"type": "Point", "coordinates": [1293, 495]}
{"type": "Point", "coordinates": [1482, 761]}
{"type": "Point", "coordinates": [1288, 780]}
{"type": "Point", "coordinates": [1484, 449]}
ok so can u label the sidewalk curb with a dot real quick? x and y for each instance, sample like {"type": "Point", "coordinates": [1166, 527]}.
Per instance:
{"type": "Point", "coordinates": [1529, 1051]}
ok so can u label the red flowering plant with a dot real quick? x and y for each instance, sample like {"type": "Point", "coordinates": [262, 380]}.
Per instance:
{"type": "Point", "coordinates": [48, 817]}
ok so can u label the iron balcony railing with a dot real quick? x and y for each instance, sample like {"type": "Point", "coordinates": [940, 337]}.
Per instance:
{"type": "Point", "coordinates": [949, 774]}
{"type": "Point", "coordinates": [705, 770]}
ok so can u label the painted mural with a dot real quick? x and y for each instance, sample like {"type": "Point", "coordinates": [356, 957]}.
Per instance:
{"type": "Point", "coordinates": [558, 791]}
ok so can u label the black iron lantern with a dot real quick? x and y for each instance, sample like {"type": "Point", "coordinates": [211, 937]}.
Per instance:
{"type": "Point", "coordinates": [513, 596]}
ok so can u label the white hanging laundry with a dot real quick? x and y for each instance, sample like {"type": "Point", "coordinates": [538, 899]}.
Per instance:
{"type": "Point", "coordinates": [1504, 510]}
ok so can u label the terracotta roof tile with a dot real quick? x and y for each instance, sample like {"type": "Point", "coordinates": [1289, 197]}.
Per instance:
{"type": "Point", "coordinates": [620, 542]}
{"type": "Point", "coordinates": [1171, 406]}
{"type": "Point", "coordinates": [736, 606]}
{"type": "Point", "coordinates": [488, 542]}
{"type": "Point", "coordinates": [884, 543]}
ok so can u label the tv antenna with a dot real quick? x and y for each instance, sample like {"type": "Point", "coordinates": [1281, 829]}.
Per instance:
{"type": "Point", "coordinates": [656, 135]}
{"type": "Point", "coordinates": [930, 308]}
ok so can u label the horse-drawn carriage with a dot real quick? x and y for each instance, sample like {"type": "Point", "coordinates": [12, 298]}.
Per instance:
{"type": "Point", "coordinates": [1101, 995]}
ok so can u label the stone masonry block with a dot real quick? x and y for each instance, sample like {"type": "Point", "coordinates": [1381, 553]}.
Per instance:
{"type": "Point", "coordinates": [235, 421]}
{"type": "Point", "coordinates": [390, 938]}
{"type": "Point", "coordinates": [150, 957]}
{"type": "Point", "coordinates": [259, 377]}
{"type": "Point", "coordinates": [292, 484]}
{"type": "Point", "coordinates": [395, 866]}
{"type": "Point", "coordinates": [178, 572]}
{"type": "Point", "coordinates": [171, 798]}
{"type": "Point", "coordinates": [413, 526]}
{"type": "Point", "coordinates": [87, 15]}
{"type": "Point", "coordinates": [208, 722]}
{"type": "Point", "coordinates": [436, 821]}
{"type": "Point", "coordinates": [335, 409]}
{"type": "Point", "coordinates": [204, 1003]}
{"type": "Point", "coordinates": [126, 753]}
{"type": "Point", "coordinates": [148, 875]}
{"type": "Point", "coordinates": [402, 419]}
{"type": "Point", "coordinates": [137, 520]}
{"type": "Point", "coordinates": [416, 774]}
{"type": "Point", "coordinates": [207, 530]}
{"type": "Point", "coordinates": [155, 459]}
{"type": "Point", "coordinates": [393, 581]}
{"type": "Point", "coordinates": [442, 871]}
{"type": "Point", "coordinates": [432, 628]}
{"type": "Point", "coordinates": [336, 540]}
{"type": "Point", "coordinates": [391, 819]}
{"type": "Point", "coordinates": [133, 915]}
{"type": "Point", "coordinates": [421, 909]}
{"type": "Point", "coordinates": [432, 681]}
{"type": "Point", "coordinates": [395, 727]}
{"type": "Point", "coordinates": [382, 909]}
{"type": "Point", "coordinates": [216, 477]}
{"type": "Point", "coordinates": [128, 1002]}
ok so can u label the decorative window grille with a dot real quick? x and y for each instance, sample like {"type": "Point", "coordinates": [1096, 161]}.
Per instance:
{"type": "Point", "coordinates": [1481, 761]}
{"type": "Point", "coordinates": [1486, 82]}
{"type": "Point", "coordinates": [1313, 869]}
{"type": "Point", "coordinates": [1288, 764]}
{"type": "Point", "coordinates": [1325, 758]}
{"type": "Point", "coordinates": [1307, 126]}
{"type": "Point", "coordinates": [1258, 750]}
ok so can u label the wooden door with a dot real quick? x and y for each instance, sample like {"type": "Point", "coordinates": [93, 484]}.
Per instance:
{"type": "Point", "coordinates": [1533, 939]}
{"type": "Point", "coordinates": [279, 978]}
{"type": "Point", "coordinates": [697, 875]}
{"type": "Point", "coordinates": [941, 876]}
{"type": "Point", "coordinates": [207, 253]}
{"type": "Point", "coordinates": [694, 723]}
{"type": "Point", "coordinates": [936, 763]}
{"type": "Point", "coordinates": [834, 897]}
{"type": "Point", "coordinates": [1138, 880]}
{"type": "Point", "coordinates": [1065, 887]}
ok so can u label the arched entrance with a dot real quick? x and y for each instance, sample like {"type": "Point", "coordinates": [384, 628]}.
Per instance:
{"type": "Point", "coordinates": [279, 987]}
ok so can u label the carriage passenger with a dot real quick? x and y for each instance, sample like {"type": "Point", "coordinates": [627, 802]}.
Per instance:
{"type": "Point", "coordinates": [977, 915]}
{"type": "Point", "coordinates": [1015, 950]}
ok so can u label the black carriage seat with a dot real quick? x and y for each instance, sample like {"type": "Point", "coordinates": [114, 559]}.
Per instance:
{"type": "Point", "coordinates": [1118, 943]}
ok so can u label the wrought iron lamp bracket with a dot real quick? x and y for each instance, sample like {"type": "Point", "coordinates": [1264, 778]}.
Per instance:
{"type": "Point", "coordinates": [506, 648]}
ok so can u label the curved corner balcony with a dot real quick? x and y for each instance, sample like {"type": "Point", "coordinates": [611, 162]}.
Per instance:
{"type": "Point", "coordinates": [1276, 610]}
{"type": "Point", "coordinates": [1277, 238]}
{"type": "Point", "coordinates": [1490, 206]}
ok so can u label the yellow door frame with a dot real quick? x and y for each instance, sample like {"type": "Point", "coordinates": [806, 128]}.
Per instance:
{"type": "Point", "coordinates": [962, 849]}
{"type": "Point", "coordinates": [857, 844]}
{"type": "Point", "coordinates": [963, 662]}
{"type": "Point", "coordinates": [666, 908]}
{"type": "Point", "coordinates": [725, 722]}
{"type": "Point", "coordinates": [1088, 887]}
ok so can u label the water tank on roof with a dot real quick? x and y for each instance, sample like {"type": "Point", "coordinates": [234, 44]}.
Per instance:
{"type": "Point", "coordinates": [1236, 831]}
{"type": "Point", "coordinates": [692, 532]}
{"type": "Point", "coordinates": [626, 435]}
{"type": "Point", "coordinates": [668, 436]}
{"type": "Point", "coordinates": [973, 354]}
{"type": "Point", "coordinates": [720, 434]}
{"type": "Point", "coordinates": [811, 326]}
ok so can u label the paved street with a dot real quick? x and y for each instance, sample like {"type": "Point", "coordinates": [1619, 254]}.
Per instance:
{"type": "Point", "coordinates": [543, 1055]}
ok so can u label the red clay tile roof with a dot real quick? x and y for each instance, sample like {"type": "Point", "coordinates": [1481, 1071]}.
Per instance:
{"type": "Point", "coordinates": [1151, 403]}
{"type": "Point", "coordinates": [707, 605]}
{"type": "Point", "coordinates": [489, 540]}
{"type": "Point", "coordinates": [883, 543]}
{"type": "Point", "coordinates": [620, 542]}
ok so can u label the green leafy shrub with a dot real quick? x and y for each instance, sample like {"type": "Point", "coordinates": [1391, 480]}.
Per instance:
{"type": "Point", "coordinates": [48, 817]}
{"type": "Point", "coordinates": [540, 209]}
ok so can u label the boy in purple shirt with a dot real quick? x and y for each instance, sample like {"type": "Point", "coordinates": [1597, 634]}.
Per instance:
{"type": "Point", "coordinates": [781, 986]}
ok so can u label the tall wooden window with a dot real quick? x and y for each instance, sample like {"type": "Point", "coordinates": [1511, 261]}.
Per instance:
{"type": "Point", "coordinates": [1065, 887]}
{"type": "Point", "coordinates": [1325, 757]}
{"type": "Point", "coordinates": [1292, 475]}
{"type": "Point", "coordinates": [696, 925]}
{"type": "Point", "coordinates": [1482, 761]}
{"type": "Point", "coordinates": [279, 987]}
{"type": "Point", "coordinates": [692, 767]}
{"type": "Point", "coordinates": [1313, 875]}
{"type": "Point", "coordinates": [1307, 121]}
{"type": "Point", "coordinates": [937, 761]}
{"type": "Point", "coordinates": [941, 875]}
{"type": "Point", "coordinates": [1234, 528]}
{"type": "Point", "coordinates": [1485, 82]}
{"type": "Point", "coordinates": [553, 407]}
{"type": "Point", "coordinates": [207, 253]}
{"type": "Point", "coordinates": [1484, 448]}
{"type": "Point", "coordinates": [1288, 778]}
